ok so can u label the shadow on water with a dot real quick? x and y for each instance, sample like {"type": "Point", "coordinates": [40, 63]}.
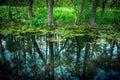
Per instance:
{"type": "Point", "coordinates": [36, 57]}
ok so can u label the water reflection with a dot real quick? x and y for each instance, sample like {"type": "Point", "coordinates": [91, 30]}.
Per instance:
{"type": "Point", "coordinates": [38, 57]}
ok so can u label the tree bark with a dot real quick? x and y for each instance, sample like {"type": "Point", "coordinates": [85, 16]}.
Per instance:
{"type": "Point", "coordinates": [103, 6]}
{"type": "Point", "coordinates": [2, 51]}
{"type": "Point", "coordinates": [78, 57]}
{"type": "Point", "coordinates": [111, 52]}
{"type": "Point", "coordinates": [30, 12]}
{"type": "Point", "coordinates": [9, 13]}
{"type": "Point", "coordinates": [118, 49]}
{"type": "Point", "coordinates": [86, 56]}
{"type": "Point", "coordinates": [51, 52]}
{"type": "Point", "coordinates": [38, 50]}
{"type": "Point", "coordinates": [46, 3]}
{"type": "Point", "coordinates": [50, 12]}
{"type": "Point", "coordinates": [85, 60]}
{"type": "Point", "coordinates": [93, 13]}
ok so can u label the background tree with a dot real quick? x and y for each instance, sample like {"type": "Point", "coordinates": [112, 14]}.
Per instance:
{"type": "Point", "coordinates": [50, 11]}
{"type": "Point", "coordinates": [10, 20]}
{"type": "Point", "coordinates": [93, 12]}
{"type": "Point", "coordinates": [103, 5]}
{"type": "Point", "coordinates": [30, 12]}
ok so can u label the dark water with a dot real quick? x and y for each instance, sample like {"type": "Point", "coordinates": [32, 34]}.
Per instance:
{"type": "Point", "coordinates": [35, 57]}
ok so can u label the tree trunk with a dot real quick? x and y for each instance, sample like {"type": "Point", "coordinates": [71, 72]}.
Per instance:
{"type": "Point", "coordinates": [118, 49]}
{"type": "Point", "coordinates": [2, 51]}
{"type": "Point", "coordinates": [38, 50]}
{"type": "Point", "coordinates": [30, 12]}
{"type": "Point", "coordinates": [46, 3]}
{"type": "Point", "coordinates": [93, 13]}
{"type": "Point", "coordinates": [78, 57]}
{"type": "Point", "coordinates": [103, 6]}
{"type": "Point", "coordinates": [111, 52]}
{"type": "Point", "coordinates": [51, 52]}
{"type": "Point", "coordinates": [50, 11]}
{"type": "Point", "coordinates": [86, 56]}
{"type": "Point", "coordinates": [9, 13]}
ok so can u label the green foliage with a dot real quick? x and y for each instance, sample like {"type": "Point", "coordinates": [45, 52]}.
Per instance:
{"type": "Point", "coordinates": [64, 15]}
{"type": "Point", "coordinates": [109, 17]}
{"type": "Point", "coordinates": [3, 14]}
{"type": "Point", "coordinates": [37, 22]}
{"type": "Point", "coordinates": [63, 31]}
{"type": "Point", "coordinates": [62, 3]}
{"type": "Point", "coordinates": [77, 5]}
{"type": "Point", "coordinates": [39, 4]}
{"type": "Point", "coordinates": [40, 17]}
{"type": "Point", "coordinates": [19, 30]}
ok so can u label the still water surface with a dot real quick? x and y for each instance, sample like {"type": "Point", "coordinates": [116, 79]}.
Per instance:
{"type": "Point", "coordinates": [48, 57]}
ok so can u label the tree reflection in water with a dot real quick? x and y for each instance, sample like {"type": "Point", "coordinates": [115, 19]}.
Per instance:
{"type": "Point", "coordinates": [43, 58]}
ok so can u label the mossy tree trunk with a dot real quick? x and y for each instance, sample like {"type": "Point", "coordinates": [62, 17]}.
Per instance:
{"type": "Point", "coordinates": [30, 12]}
{"type": "Point", "coordinates": [104, 2]}
{"type": "Point", "coordinates": [9, 13]}
{"type": "Point", "coordinates": [86, 58]}
{"type": "Point", "coordinates": [78, 40]}
{"type": "Point", "coordinates": [51, 52]}
{"type": "Point", "coordinates": [93, 12]}
{"type": "Point", "coordinates": [50, 11]}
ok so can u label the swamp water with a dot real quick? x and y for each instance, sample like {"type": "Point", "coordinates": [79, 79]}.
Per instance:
{"type": "Point", "coordinates": [49, 57]}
